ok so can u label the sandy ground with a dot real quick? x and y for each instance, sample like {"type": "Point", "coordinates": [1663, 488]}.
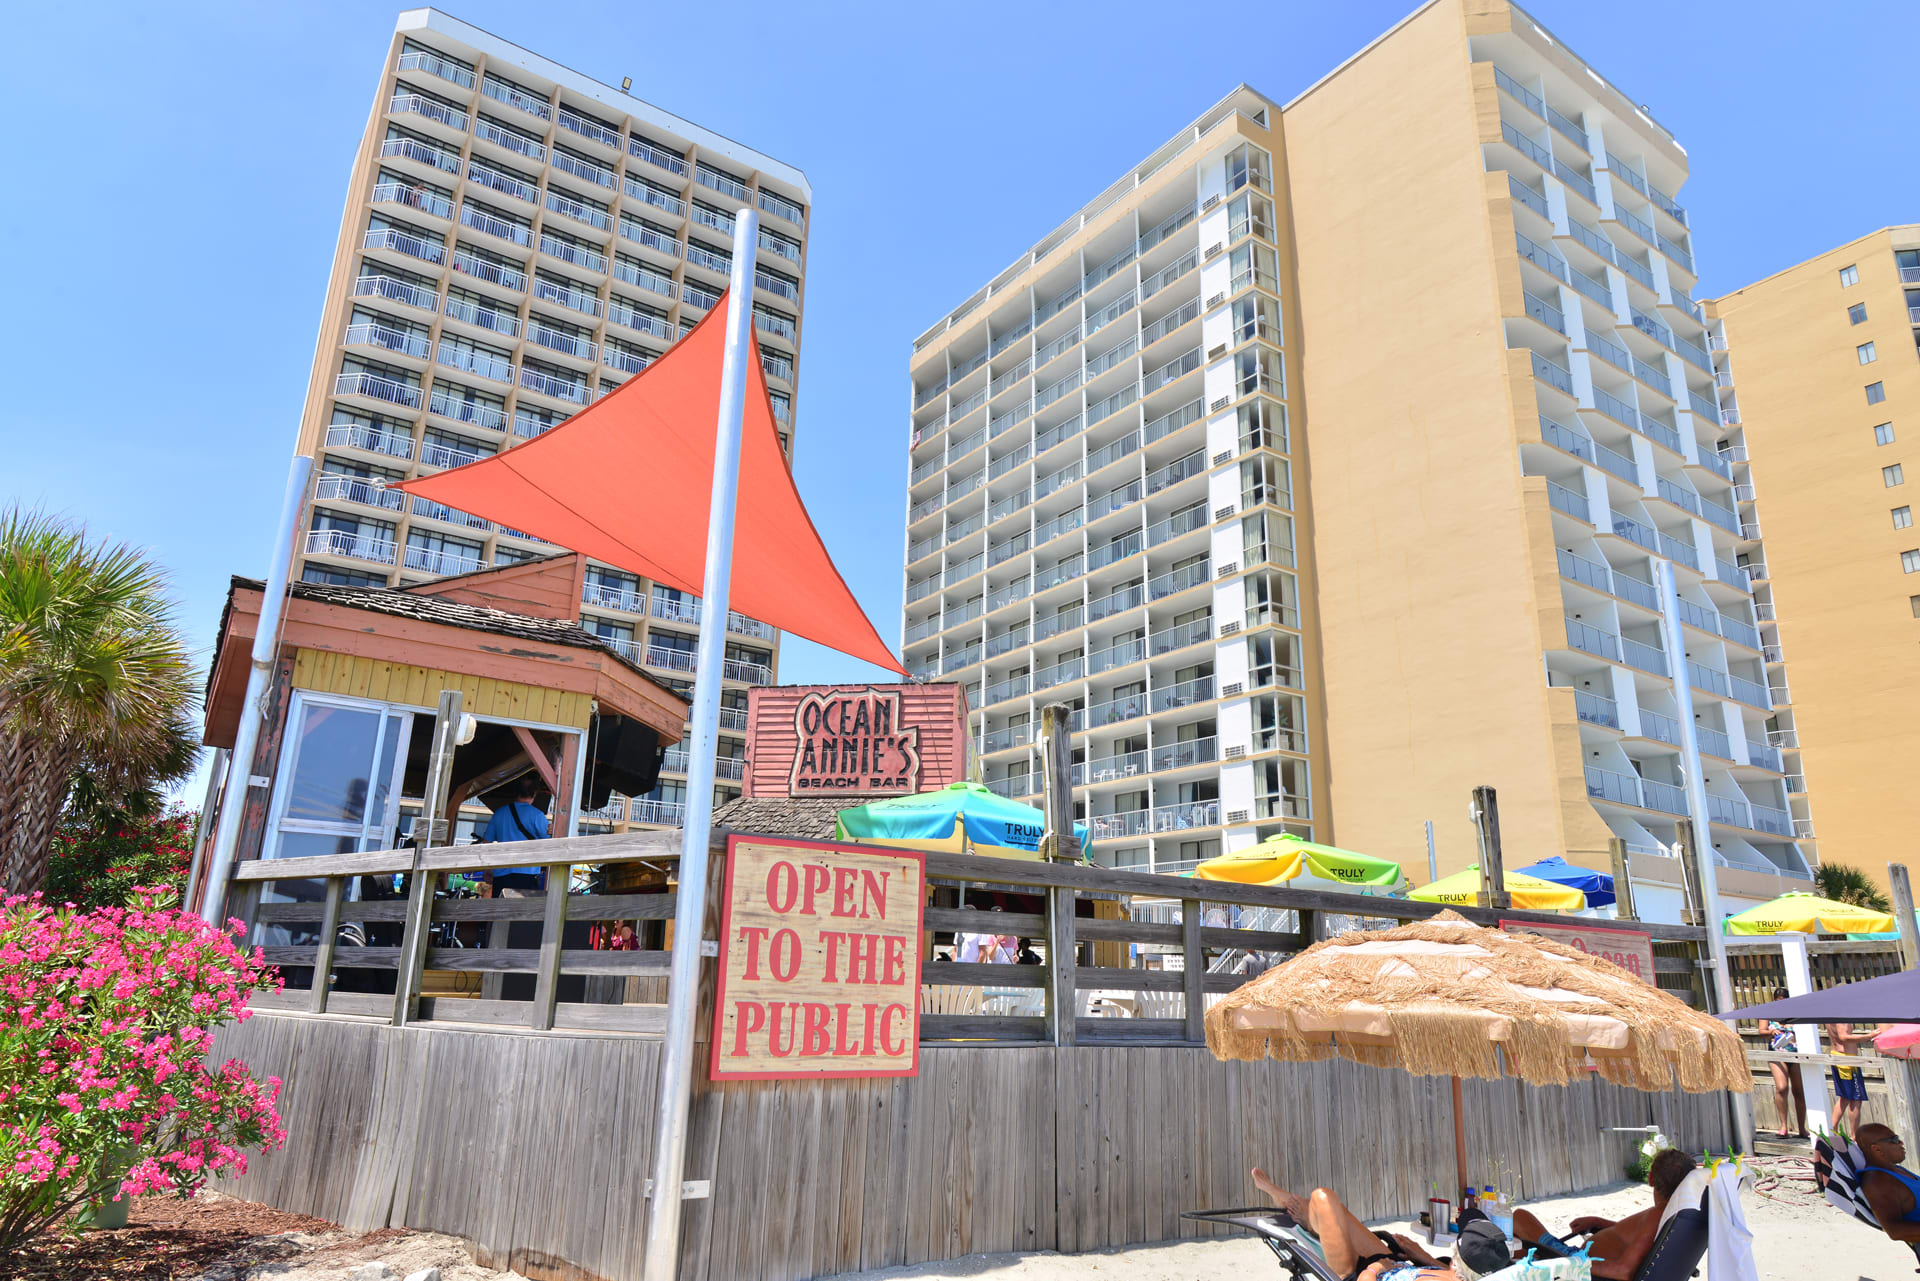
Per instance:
{"type": "Point", "coordinates": [1796, 1238]}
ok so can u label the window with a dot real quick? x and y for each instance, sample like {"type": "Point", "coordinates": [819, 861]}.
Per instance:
{"type": "Point", "coordinates": [1902, 517]}
{"type": "Point", "coordinates": [1865, 351]}
{"type": "Point", "coordinates": [1857, 314]}
{"type": "Point", "coordinates": [341, 577]}
{"type": "Point", "coordinates": [1876, 392]}
{"type": "Point", "coordinates": [1910, 560]}
{"type": "Point", "coordinates": [1914, 602]}
{"type": "Point", "coordinates": [1849, 276]}
{"type": "Point", "coordinates": [1883, 434]}
{"type": "Point", "coordinates": [1892, 476]}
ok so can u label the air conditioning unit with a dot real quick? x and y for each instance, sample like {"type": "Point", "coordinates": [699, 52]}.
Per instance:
{"type": "Point", "coordinates": [1229, 629]}
{"type": "Point", "coordinates": [1229, 569]}
{"type": "Point", "coordinates": [1215, 352]}
{"type": "Point", "coordinates": [1237, 816]}
{"type": "Point", "coordinates": [1213, 251]}
{"type": "Point", "coordinates": [1209, 203]}
{"type": "Point", "coordinates": [1222, 403]}
{"type": "Point", "coordinates": [1235, 752]}
{"type": "Point", "coordinates": [1222, 513]}
{"type": "Point", "coordinates": [1224, 456]}
{"type": "Point", "coordinates": [1215, 301]}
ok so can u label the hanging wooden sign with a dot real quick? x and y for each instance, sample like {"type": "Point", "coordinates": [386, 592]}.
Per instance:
{"type": "Point", "coordinates": [819, 961]}
{"type": "Point", "coordinates": [854, 741]}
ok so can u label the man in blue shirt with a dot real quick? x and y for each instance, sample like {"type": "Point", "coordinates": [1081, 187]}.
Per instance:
{"type": "Point", "coordinates": [518, 820]}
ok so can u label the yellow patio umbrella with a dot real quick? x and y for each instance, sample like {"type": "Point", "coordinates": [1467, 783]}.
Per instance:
{"type": "Point", "coordinates": [1802, 913]}
{"type": "Point", "coordinates": [1291, 860]}
{"type": "Point", "coordinates": [1530, 893]}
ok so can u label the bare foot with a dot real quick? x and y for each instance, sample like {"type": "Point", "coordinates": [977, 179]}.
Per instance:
{"type": "Point", "coordinates": [1293, 1204]}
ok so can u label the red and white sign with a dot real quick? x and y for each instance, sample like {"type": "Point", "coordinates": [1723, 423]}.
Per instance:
{"type": "Point", "coordinates": [1631, 950]}
{"type": "Point", "coordinates": [854, 742]}
{"type": "Point", "coordinates": [819, 961]}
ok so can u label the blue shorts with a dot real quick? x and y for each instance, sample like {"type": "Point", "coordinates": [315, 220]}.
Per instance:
{"type": "Point", "coordinates": [1850, 1083]}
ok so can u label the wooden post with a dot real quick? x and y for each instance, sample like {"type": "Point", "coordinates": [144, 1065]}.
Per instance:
{"type": "Point", "coordinates": [1691, 912]}
{"type": "Point", "coordinates": [1622, 879]}
{"type": "Point", "coordinates": [1903, 914]}
{"type": "Point", "coordinates": [413, 943]}
{"type": "Point", "coordinates": [1056, 770]}
{"type": "Point", "coordinates": [1493, 872]}
{"type": "Point", "coordinates": [1195, 960]}
{"type": "Point", "coordinates": [323, 954]}
{"type": "Point", "coordinates": [546, 982]}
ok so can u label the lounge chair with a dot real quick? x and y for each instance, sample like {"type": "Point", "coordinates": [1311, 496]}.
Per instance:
{"type": "Point", "coordinates": [1676, 1254]}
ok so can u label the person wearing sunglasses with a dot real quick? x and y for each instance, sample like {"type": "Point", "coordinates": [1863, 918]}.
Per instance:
{"type": "Point", "coordinates": [1890, 1188]}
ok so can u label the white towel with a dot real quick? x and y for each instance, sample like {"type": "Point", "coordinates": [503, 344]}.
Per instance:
{"type": "Point", "coordinates": [1729, 1240]}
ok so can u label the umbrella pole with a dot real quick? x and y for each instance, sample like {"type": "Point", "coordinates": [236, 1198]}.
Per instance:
{"type": "Point", "coordinates": [1459, 1141]}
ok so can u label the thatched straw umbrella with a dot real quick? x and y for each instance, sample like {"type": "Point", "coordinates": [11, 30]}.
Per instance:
{"type": "Point", "coordinates": [1445, 997]}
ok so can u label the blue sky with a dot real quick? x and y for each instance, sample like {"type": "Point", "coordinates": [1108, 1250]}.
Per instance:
{"type": "Point", "coordinates": [173, 225]}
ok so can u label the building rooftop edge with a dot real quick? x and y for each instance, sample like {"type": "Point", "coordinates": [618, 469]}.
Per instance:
{"type": "Point", "coordinates": [430, 19]}
{"type": "Point", "coordinates": [1886, 230]}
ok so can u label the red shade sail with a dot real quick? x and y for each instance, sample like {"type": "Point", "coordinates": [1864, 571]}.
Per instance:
{"type": "Point", "coordinates": [629, 481]}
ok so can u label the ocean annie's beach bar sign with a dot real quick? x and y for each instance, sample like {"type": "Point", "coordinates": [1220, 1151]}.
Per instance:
{"type": "Point", "coordinates": [819, 961]}
{"type": "Point", "coordinates": [854, 741]}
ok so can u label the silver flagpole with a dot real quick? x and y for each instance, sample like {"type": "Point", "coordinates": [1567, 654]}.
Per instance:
{"type": "Point", "coordinates": [246, 738]}
{"type": "Point", "coordinates": [676, 1067]}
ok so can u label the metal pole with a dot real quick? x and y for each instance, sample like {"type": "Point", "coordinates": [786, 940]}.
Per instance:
{"type": "Point", "coordinates": [661, 1259]}
{"type": "Point", "coordinates": [1704, 871]}
{"type": "Point", "coordinates": [1903, 914]}
{"type": "Point", "coordinates": [203, 827]}
{"type": "Point", "coordinates": [246, 737]}
{"type": "Point", "coordinates": [1433, 860]}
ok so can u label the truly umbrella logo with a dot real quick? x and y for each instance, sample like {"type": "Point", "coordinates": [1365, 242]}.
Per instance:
{"type": "Point", "coordinates": [853, 741]}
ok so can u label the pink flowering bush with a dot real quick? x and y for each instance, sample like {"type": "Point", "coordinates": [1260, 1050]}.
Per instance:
{"type": "Point", "coordinates": [105, 1020]}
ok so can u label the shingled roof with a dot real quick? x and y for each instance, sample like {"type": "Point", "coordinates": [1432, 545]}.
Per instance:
{"type": "Point", "coordinates": [807, 818]}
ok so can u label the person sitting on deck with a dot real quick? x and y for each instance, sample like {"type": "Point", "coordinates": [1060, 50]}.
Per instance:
{"type": "Point", "coordinates": [1360, 1254]}
{"type": "Point", "coordinates": [1618, 1247]}
{"type": "Point", "coordinates": [1892, 1190]}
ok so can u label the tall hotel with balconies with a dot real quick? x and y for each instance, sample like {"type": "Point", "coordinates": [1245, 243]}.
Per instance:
{"type": "Point", "coordinates": [518, 241]}
{"type": "Point", "coordinates": [1323, 462]}
{"type": "Point", "coordinates": [1820, 376]}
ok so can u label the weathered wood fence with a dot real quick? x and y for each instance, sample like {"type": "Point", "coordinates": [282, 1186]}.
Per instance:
{"type": "Point", "coordinates": [522, 1121]}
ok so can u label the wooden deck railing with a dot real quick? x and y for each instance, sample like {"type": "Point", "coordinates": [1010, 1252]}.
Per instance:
{"type": "Point", "coordinates": [1155, 959]}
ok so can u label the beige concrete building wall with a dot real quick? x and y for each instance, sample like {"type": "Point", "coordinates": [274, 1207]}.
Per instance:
{"type": "Point", "coordinates": [1429, 598]}
{"type": "Point", "coordinates": [1847, 622]}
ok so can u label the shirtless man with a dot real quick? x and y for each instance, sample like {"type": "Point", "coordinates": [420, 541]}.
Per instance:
{"type": "Point", "coordinates": [1890, 1188]}
{"type": "Point", "coordinates": [1618, 1248]}
{"type": "Point", "coordinates": [1358, 1253]}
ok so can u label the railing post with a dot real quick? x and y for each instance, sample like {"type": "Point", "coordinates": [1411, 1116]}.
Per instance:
{"type": "Point", "coordinates": [1903, 914]}
{"type": "Point", "coordinates": [1493, 872]}
{"type": "Point", "coordinates": [437, 831]}
{"type": "Point", "coordinates": [1195, 960]}
{"type": "Point", "coordinates": [323, 954]}
{"type": "Point", "coordinates": [1622, 879]}
{"type": "Point", "coordinates": [546, 982]}
{"type": "Point", "coordinates": [1059, 845]}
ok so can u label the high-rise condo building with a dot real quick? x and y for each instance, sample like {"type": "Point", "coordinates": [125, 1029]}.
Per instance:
{"type": "Point", "coordinates": [1323, 463]}
{"type": "Point", "coordinates": [1818, 369]}
{"type": "Point", "coordinates": [518, 241]}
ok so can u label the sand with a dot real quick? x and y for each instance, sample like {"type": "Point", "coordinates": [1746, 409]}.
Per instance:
{"type": "Point", "coordinates": [1796, 1238]}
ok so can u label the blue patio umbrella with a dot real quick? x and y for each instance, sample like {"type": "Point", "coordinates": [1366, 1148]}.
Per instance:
{"type": "Point", "coordinates": [1597, 886]}
{"type": "Point", "coordinates": [964, 818]}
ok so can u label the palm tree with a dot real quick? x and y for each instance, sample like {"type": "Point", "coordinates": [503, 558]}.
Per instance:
{"type": "Point", "coordinates": [94, 677]}
{"type": "Point", "coordinates": [1845, 884]}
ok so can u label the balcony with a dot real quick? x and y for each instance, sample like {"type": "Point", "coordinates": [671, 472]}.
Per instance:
{"type": "Point", "coordinates": [350, 436]}
{"type": "Point", "coordinates": [394, 289]}
{"type": "Point", "coordinates": [434, 65]}
{"type": "Point", "coordinates": [499, 180]}
{"type": "Point", "coordinates": [751, 673]}
{"type": "Point", "coordinates": [781, 208]}
{"type": "Point", "coordinates": [483, 317]}
{"type": "Point", "coordinates": [578, 210]}
{"type": "Point", "coordinates": [447, 402]}
{"type": "Point", "coordinates": [377, 387]}
{"type": "Point", "coordinates": [566, 296]}
{"type": "Point", "coordinates": [1185, 754]}
{"type": "Point", "coordinates": [340, 542]}
{"type": "Point", "coordinates": [1592, 640]}
{"type": "Point", "coordinates": [510, 139]}
{"type": "Point", "coordinates": [553, 385]}
{"type": "Point", "coordinates": [445, 563]}
{"type": "Point", "coordinates": [452, 515]}
{"type": "Point", "coordinates": [514, 96]}
{"type": "Point", "coordinates": [721, 182]}
{"type": "Point", "coordinates": [336, 487]}
{"type": "Point", "coordinates": [656, 156]}
{"type": "Point", "coordinates": [414, 104]}
{"type": "Point", "coordinates": [413, 196]}
{"type": "Point", "coordinates": [421, 152]}
{"type": "Point", "coordinates": [644, 809]}
{"type": "Point", "coordinates": [578, 255]}
{"type": "Point", "coordinates": [612, 596]}
{"type": "Point", "coordinates": [560, 340]}
{"type": "Point", "coordinates": [401, 242]}
{"type": "Point", "coordinates": [582, 167]}
{"type": "Point", "coordinates": [371, 333]}
{"type": "Point", "coordinates": [1595, 710]}
{"type": "Point", "coordinates": [498, 273]}
{"type": "Point", "coordinates": [1765, 757]}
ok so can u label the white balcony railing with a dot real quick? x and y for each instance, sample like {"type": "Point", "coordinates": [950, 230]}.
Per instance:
{"type": "Point", "coordinates": [340, 542]}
